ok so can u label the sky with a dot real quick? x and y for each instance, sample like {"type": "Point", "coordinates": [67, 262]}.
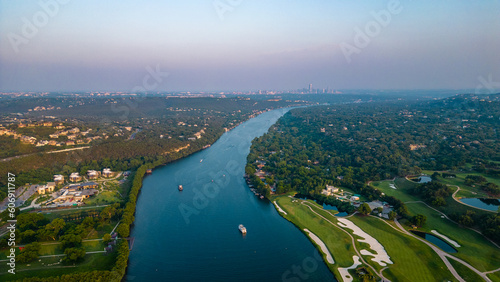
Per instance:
{"type": "Point", "coordinates": [248, 45]}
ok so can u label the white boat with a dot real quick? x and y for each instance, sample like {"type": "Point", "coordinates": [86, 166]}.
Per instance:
{"type": "Point", "coordinates": [180, 188]}
{"type": "Point", "coordinates": [242, 229]}
{"type": "Point", "coordinates": [201, 160]}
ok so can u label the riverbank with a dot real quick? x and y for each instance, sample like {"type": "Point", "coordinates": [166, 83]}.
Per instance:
{"type": "Point", "coordinates": [215, 199]}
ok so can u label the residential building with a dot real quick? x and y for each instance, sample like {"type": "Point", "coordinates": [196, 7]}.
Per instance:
{"type": "Point", "coordinates": [58, 179]}
{"type": "Point", "coordinates": [92, 174]}
{"type": "Point", "coordinates": [75, 177]}
{"type": "Point", "coordinates": [107, 172]}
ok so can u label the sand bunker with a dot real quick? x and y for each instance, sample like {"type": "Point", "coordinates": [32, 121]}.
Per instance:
{"type": "Point", "coordinates": [454, 243]}
{"type": "Point", "coordinates": [392, 186]}
{"type": "Point", "coordinates": [380, 256]}
{"type": "Point", "coordinates": [279, 208]}
{"type": "Point", "coordinates": [344, 272]}
{"type": "Point", "coordinates": [322, 245]}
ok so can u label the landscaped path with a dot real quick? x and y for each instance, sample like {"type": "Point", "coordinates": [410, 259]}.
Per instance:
{"type": "Point", "coordinates": [443, 255]}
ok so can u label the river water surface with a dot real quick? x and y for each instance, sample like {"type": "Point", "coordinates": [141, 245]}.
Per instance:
{"type": "Point", "coordinates": [193, 235]}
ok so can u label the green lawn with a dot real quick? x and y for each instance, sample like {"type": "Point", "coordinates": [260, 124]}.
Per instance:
{"type": "Point", "coordinates": [106, 197]}
{"type": "Point", "coordinates": [495, 276]}
{"type": "Point", "coordinates": [41, 269]}
{"type": "Point", "coordinates": [400, 193]}
{"type": "Point", "coordinates": [465, 272]}
{"type": "Point", "coordinates": [475, 249]}
{"type": "Point", "coordinates": [468, 191]}
{"type": "Point", "coordinates": [413, 260]}
{"type": "Point", "coordinates": [54, 248]}
{"type": "Point", "coordinates": [338, 243]}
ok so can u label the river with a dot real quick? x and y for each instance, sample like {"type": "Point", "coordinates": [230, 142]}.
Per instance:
{"type": "Point", "coordinates": [193, 235]}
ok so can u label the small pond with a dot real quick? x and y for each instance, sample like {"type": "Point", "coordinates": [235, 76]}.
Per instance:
{"type": "Point", "coordinates": [422, 179]}
{"type": "Point", "coordinates": [330, 207]}
{"type": "Point", "coordinates": [487, 204]}
{"type": "Point", "coordinates": [443, 245]}
{"type": "Point", "coordinates": [342, 214]}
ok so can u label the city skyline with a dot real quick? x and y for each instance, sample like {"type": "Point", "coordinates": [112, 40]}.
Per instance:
{"type": "Point", "coordinates": [247, 45]}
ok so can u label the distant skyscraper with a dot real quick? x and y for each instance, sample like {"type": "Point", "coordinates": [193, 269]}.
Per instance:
{"type": "Point", "coordinates": [310, 88]}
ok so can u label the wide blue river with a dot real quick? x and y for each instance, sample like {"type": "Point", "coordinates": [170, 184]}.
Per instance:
{"type": "Point", "coordinates": [193, 235]}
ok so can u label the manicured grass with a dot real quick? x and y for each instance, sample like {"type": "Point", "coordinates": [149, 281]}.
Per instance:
{"type": "Point", "coordinates": [338, 243]}
{"type": "Point", "coordinates": [53, 214]}
{"type": "Point", "coordinates": [495, 276]}
{"type": "Point", "coordinates": [413, 260]}
{"type": "Point", "coordinates": [475, 249]}
{"type": "Point", "coordinates": [37, 269]}
{"type": "Point", "coordinates": [400, 193]}
{"type": "Point", "coordinates": [465, 272]}
{"type": "Point", "coordinates": [54, 248]}
{"type": "Point", "coordinates": [106, 197]}
{"type": "Point", "coordinates": [460, 181]}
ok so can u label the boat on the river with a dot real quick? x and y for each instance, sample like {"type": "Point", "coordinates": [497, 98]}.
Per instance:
{"type": "Point", "coordinates": [242, 229]}
{"type": "Point", "coordinates": [180, 188]}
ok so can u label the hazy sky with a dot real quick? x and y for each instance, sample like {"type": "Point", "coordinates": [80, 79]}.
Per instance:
{"type": "Point", "coordinates": [247, 44]}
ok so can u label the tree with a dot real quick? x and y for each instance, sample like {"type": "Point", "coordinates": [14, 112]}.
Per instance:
{"type": "Point", "coordinates": [435, 175]}
{"type": "Point", "coordinates": [54, 228]}
{"type": "Point", "coordinates": [392, 215]}
{"type": "Point", "coordinates": [402, 210]}
{"type": "Point", "coordinates": [74, 254]}
{"type": "Point", "coordinates": [106, 238]}
{"type": "Point", "coordinates": [364, 209]}
{"type": "Point", "coordinates": [380, 209]}
{"type": "Point", "coordinates": [418, 220]}
{"type": "Point", "coordinates": [30, 253]}
{"type": "Point", "coordinates": [71, 241]}
{"type": "Point", "coordinates": [123, 229]}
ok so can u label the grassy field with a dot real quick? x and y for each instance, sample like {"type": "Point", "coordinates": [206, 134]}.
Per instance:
{"type": "Point", "coordinates": [337, 242]}
{"type": "Point", "coordinates": [42, 269]}
{"type": "Point", "coordinates": [413, 260]}
{"type": "Point", "coordinates": [54, 248]}
{"type": "Point", "coordinates": [106, 197]}
{"type": "Point", "coordinates": [401, 192]}
{"type": "Point", "coordinates": [465, 272]}
{"type": "Point", "coordinates": [467, 191]}
{"type": "Point", "coordinates": [495, 276]}
{"type": "Point", "coordinates": [474, 249]}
